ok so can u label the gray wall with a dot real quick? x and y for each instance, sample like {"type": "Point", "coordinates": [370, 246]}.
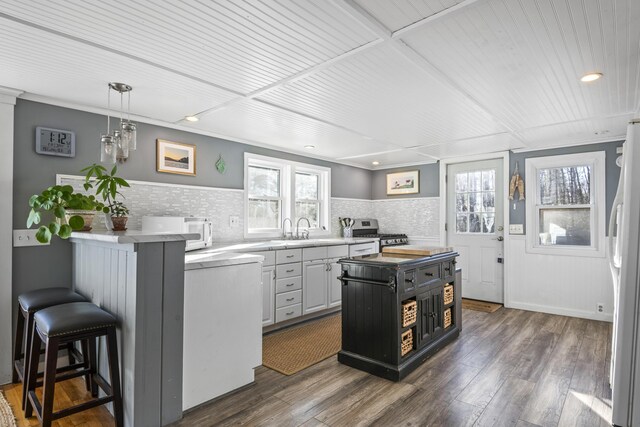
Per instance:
{"type": "Point", "coordinates": [429, 182]}
{"type": "Point", "coordinates": [612, 172]}
{"type": "Point", "coordinates": [38, 267]}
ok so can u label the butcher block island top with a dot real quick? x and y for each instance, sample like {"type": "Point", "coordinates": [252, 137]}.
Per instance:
{"type": "Point", "coordinates": [398, 310]}
{"type": "Point", "coordinates": [416, 250]}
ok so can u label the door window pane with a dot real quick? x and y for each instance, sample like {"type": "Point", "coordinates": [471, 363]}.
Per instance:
{"type": "Point", "coordinates": [264, 182]}
{"type": "Point", "coordinates": [461, 223]}
{"type": "Point", "coordinates": [264, 213]}
{"type": "Point", "coordinates": [570, 185]}
{"type": "Point", "coordinates": [571, 226]}
{"type": "Point", "coordinates": [306, 186]}
{"type": "Point", "coordinates": [475, 193]}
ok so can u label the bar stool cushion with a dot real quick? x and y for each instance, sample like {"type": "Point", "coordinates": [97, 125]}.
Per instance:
{"type": "Point", "coordinates": [72, 318]}
{"type": "Point", "coordinates": [42, 298]}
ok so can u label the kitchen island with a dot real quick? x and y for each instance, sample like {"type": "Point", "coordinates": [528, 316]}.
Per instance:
{"type": "Point", "coordinates": [398, 310]}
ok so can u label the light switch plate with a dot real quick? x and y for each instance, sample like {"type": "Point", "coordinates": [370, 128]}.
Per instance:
{"type": "Point", "coordinates": [516, 229]}
{"type": "Point", "coordinates": [234, 221]}
{"type": "Point", "coordinates": [26, 238]}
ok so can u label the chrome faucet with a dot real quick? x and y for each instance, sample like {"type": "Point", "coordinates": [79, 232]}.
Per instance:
{"type": "Point", "coordinates": [284, 232]}
{"type": "Point", "coordinates": [305, 233]}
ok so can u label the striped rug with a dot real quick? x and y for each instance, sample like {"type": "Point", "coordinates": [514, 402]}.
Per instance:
{"type": "Point", "coordinates": [487, 307]}
{"type": "Point", "coordinates": [6, 416]}
{"type": "Point", "coordinates": [299, 347]}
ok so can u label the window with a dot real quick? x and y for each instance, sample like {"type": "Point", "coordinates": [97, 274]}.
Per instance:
{"type": "Point", "coordinates": [565, 204]}
{"type": "Point", "coordinates": [277, 189]}
{"type": "Point", "coordinates": [475, 202]}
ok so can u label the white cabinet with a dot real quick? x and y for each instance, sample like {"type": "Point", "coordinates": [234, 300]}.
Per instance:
{"type": "Point", "coordinates": [222, 333]}
{"type": "Point", "coordinates": [314, 286]}
{"type": "Point", "coordinates": [335, 285]}
{"type": "Point", "coordinates": [320, 287]}
{"type": "Point", "coordinates": [363, 249]}
{"type": "Point", "coordinates": [268, 294]}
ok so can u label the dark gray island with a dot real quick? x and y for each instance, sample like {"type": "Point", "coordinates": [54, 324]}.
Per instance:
{"type": "Point", "coordinates": [398, 310]}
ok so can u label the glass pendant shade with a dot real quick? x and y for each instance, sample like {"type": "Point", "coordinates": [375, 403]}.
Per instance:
{"type": "Point", "coordinates": [129, 133]}
{"type": "Point", "coordinates": [122, 145]}
{"type": "Point", "coordinates": [107, 149]}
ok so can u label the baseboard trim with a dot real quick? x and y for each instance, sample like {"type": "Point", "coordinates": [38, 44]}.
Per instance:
{"type": "Point", "coordinates": [606, 317]}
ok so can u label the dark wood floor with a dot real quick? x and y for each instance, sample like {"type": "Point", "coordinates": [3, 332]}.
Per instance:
{"type": "Point", "coordinates": [511, 367]}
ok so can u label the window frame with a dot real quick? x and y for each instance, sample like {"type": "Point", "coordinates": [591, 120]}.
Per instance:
{"type": "Point", "coordinates": [288, 172]}
{"type": "Point", "coordinates": [597, 161]}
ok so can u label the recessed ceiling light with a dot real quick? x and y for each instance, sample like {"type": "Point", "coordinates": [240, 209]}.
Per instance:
{"type": "Point", "coordinates": [191, 118]}
{"type": "Point", "coordinates": [309, 147]}
{"type": "Point", "coordinates": [601, 132]}
{"type": "Point", "coordinates": [590, 77]}
{"type": "Point", "coordinates": [375, 163]}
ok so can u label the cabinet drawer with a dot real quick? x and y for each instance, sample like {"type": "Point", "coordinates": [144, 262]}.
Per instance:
{"type": "Point", "coordinates": [341, 251]}
{"type": "Point", "coordinates": [288, 255]}
{"type": "Point", "coordinates": [288, 270]}
{"type": "Point", "coordinates": [286, 313]}
{"type": "Point", "coordinates": [428, 275]}
{"type": "Point", "coordinates": [312, 254]}
{"type": "Point", "coordinates": [288, 298]}
{"type": "Point", "coordinates": [288, 284]}
{"type": "Point", "coordinates": [269, 257]}
{"type": "Point", "coordinates": [363, 249]}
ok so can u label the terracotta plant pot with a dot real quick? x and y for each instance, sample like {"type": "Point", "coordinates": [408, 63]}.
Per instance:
{"type": "Point", "coordinates": [87, 216]}
{"type": "Point", "coordinates": [119, 223]}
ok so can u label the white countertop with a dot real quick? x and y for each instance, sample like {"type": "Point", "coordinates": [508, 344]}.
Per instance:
{"type": "Point", "coordinates": [130, 236]}
{"type": "Point", "coordinates": [235, 253]}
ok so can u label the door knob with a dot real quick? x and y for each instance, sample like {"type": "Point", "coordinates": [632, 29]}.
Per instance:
{"type": "Point", "coordinates": [500, 238]}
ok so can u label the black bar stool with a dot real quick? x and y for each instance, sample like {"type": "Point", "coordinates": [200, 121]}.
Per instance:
{"type": "Point", "coordinates": [62, 324]}
{"type": "Point", "coordinates": [28, 304]}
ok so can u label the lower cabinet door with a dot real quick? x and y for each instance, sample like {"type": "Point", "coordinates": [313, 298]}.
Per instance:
{"type": "Point", "coordinates": [437, 302]}
{"type": "Point", "coordinates": [334, 284]}
{"type": "Point", "coordinates": [425, 314]}
{"type": "Point", "coordinates": [314, 286]}
{"type": "Point", "coordinates": [268, 295]}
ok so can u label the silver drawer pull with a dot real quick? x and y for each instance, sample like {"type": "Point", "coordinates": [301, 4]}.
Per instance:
{"type": "Point", "coordinates": [361, 250]}
{"type": "Point", "coordinates": [290, 256]}
{"type": "Point", "coordinates": [290, 299]}
{"type": "Point", "coordinates": [290, 271]}
{"type": "Point", "coordinates": [289, 313]}
{"type": "Point", "coordinates": [290, 284]}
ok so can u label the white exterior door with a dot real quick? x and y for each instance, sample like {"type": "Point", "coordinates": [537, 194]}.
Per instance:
{"type": "Point", "coordinates": [475, 226]}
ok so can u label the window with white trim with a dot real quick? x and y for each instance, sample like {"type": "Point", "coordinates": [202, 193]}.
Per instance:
{"type": "Point", "coordinates": [566, 204]}
{"type": "Point", "coordinates": [277, 189]}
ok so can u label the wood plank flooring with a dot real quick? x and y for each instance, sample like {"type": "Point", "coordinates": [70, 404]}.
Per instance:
{"type": "Point", "coordinates": [511, 367]}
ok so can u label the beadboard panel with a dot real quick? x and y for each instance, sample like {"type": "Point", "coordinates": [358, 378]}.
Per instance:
{"type": "Point", "coordinates": [565, 285]}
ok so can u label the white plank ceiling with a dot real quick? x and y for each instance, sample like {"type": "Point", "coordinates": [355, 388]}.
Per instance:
{"type": "Point", "coordinates": [402, 82]}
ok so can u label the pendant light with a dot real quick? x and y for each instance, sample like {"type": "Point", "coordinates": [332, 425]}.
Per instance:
{"type": "Point", "coordinates": [116, 146]}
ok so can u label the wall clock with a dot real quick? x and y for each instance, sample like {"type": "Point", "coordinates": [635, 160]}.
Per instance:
{"type": "Point", "coordinates": [55, 142]}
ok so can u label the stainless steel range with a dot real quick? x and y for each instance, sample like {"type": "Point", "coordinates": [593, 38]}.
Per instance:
{"type": "Point", "coordinates": [369, 228]}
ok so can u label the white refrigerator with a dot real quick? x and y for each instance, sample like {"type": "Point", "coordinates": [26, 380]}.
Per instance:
{"type": "Point", "coordinates": [624, 258]}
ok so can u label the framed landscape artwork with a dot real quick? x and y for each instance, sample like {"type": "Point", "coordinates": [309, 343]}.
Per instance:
{"type": "Point", "coordinates": [403, 183]}
{"type": "Point", "coordinates": [174, 157]}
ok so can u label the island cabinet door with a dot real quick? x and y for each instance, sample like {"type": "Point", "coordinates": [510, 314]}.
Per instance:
{"type": "Point", "coordinates": [431, 305]}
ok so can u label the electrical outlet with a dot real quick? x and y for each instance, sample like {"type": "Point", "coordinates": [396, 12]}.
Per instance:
{"type": "Point", "coordinates": [600, 307]}
{"type": "Point", "coordinates": [26, 238]}
{"type": "Point", "coordinates": [234, 221]}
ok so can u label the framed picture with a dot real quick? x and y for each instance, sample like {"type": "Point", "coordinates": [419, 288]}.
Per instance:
{"type": "Point", "coordinates": [174, 157]}
{"type": "Point", "coordinates": [403, 183]}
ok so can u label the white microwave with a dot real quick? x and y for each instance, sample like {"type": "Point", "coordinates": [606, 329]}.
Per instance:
{"type": "Point", "coordinates": [182, 224]}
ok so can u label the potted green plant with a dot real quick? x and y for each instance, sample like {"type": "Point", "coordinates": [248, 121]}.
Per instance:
{"type": "Point", "coordinates": [107, 185]}
{"type": "Point", "coordinates": [68, 212]}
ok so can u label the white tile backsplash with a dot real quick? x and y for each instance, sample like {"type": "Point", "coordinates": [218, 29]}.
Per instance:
{"type": "Point", "coordinates": [416, 217]}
